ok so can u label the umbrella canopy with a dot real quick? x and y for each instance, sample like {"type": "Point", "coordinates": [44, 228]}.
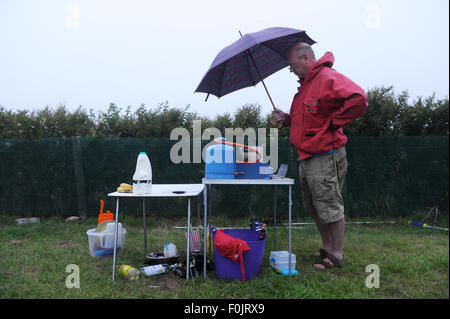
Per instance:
{"type": "Point", "coordinates": [250, 59]}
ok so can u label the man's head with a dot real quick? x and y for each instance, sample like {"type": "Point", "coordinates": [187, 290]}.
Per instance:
{"type": "Point", "coordinates": [300, 59]}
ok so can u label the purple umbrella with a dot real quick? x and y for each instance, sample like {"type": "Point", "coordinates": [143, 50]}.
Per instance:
{"type": "Point", "coordinates": [250, 59]}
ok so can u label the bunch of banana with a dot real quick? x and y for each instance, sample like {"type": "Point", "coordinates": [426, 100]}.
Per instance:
{"type": "Point", "coordinates": [125, 188]}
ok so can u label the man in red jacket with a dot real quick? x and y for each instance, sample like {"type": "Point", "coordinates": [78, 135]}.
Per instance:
{"type": "Point", "coordinates": [325, 102]}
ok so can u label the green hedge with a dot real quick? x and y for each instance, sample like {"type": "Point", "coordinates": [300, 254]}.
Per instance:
{"type": "Point", "coordinates": [388, 114]}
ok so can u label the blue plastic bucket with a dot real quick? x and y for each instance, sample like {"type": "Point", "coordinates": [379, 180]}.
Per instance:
{"type": "Point", "coordinates": [227, 269]}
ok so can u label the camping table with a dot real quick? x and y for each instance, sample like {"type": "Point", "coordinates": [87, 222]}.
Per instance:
{"type": "Point", "coordinates": [275, 182]}
{"type": "Point", "coordinates": [159, 190]}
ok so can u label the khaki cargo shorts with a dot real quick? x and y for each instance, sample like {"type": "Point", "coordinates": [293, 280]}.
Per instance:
{"type": "Point", "coordinates": [321, 181]}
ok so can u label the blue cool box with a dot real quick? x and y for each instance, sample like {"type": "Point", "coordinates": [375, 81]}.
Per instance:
{"type": "Point", "coordinates": [220, 163]}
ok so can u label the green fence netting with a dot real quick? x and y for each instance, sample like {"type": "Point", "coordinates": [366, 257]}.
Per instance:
{"type": "Point", "coordinates": [387, 176]}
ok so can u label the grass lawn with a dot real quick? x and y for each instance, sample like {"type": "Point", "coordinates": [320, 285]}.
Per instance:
{"type": "Point", "coordinates": [413, 263]}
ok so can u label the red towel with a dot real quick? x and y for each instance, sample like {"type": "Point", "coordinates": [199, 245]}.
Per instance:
{"type": "Point", "coordinates": [231, 247]}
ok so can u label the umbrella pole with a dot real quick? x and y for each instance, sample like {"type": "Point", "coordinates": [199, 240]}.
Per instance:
{"type": "Point", "coordinates": [267, 91]}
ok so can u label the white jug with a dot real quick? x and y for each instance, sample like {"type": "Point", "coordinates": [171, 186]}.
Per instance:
{"type": "Point", "coordinates": [142, 178]}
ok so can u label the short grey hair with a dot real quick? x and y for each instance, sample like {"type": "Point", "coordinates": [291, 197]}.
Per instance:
{"type": "Point", "coordinates": [304, 48]}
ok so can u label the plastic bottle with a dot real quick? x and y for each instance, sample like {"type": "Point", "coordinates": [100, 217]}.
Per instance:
{"type": "Point", "coordinates": [129, 272]}
{"type": "Point", "coordinates": [142, 178]}
{"type": "Point", "coordinates": [172, 250]}
{"type": "Point", "coordinates": [166, 250]}
{"type": "Point", "coordinates": [153, 270]}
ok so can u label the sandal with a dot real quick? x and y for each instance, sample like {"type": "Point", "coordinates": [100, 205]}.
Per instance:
{"type": "Point", "coordinates": [335, 262]}
{"type": "Point", "coordinates": [322, 253]}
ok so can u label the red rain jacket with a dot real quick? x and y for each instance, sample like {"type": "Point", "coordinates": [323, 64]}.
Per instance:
{"type": "Point", "coordinates": [324, 103]}
{"type": "Point", "coordinates": [231, 247]}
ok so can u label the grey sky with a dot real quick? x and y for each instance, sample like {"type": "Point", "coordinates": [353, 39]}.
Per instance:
{"type": "Point", "coordinates": [93, 52]}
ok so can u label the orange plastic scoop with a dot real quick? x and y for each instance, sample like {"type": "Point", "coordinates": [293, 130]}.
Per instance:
{"type": "Point", "coordinates": [104, 216]}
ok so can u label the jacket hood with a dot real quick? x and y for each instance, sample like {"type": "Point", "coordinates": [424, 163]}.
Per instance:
{"type": "Point", "coordinates": [326, 61]}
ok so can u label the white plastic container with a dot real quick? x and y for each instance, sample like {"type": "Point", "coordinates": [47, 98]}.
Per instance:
{"type": "Point", "coordinates": [279, 260]}
{"type": "Point", "coordinates": [101, 244]}
{"type": "Point", "coordinates": [108, 238]}
{"type": "Point", "coordinates": [142, 178]}
{"type": "Point", "coordinates": [172, 250]}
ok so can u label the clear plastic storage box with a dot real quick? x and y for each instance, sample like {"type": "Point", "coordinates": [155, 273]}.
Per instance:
{"type": "Point", "coordinates": [279, 260]}
{"type": "Point", "coordinates": [101, 244]}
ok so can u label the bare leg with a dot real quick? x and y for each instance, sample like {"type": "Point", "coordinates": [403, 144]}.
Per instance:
{"type": "Point", "coordinates": [336, 232]}
{"type": "Point", "coordinates": [324, 234]}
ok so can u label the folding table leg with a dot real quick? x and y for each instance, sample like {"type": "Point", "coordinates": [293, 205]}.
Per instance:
{"type": "Point", "coordinates": [275, 218]}
{"type": "Point", "coordinates": [145, 226]}
{"type": "Point", "coordinates": [188, 239]}
{"type": "Point", "coordinates": [290, 223]}
{"type": "Point", "coordinates": [115, 239]}
{"type": "Point", "coordinates": [205, 231]}
{"type": "Point", "coordinates": [198, 200]}
{"type": "Point", "coordinates": [210, 217]}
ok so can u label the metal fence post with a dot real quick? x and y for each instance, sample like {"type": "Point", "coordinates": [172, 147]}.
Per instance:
{"type": "Point", "coordinates": [79, 176]}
